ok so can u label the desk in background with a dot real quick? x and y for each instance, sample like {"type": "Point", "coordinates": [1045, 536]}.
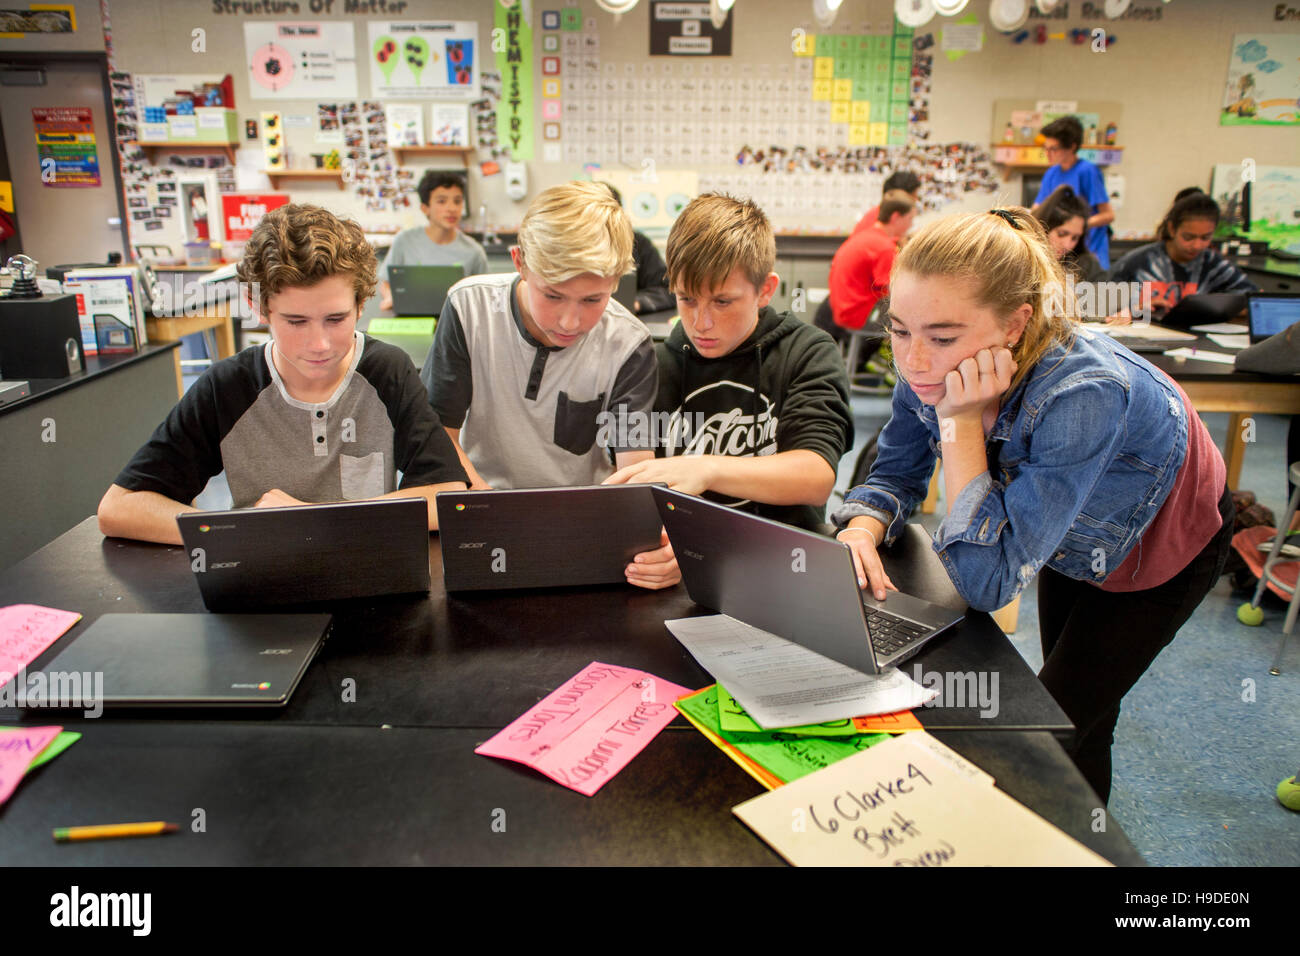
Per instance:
{"type": "Point", "coordinates": [97, 418]}
{"type": "Point", "coordinates": [320, 782]}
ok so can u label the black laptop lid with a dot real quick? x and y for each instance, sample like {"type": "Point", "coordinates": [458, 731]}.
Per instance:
{"type": "Point", "coordinates": [267, 557]}
{"type": "Point", "coordinates": [791, 583]}
{"type": "Point", "coordinates": [188, 660]}
{"type": "Point", "coordinates": [544, 537]}
{"type": "Point", "coordinates": [1205, 308]}
{"type": "Point", "coordinates": [422, 290]}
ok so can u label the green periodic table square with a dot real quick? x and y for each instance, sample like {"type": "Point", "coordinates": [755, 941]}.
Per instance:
{"type": "Point", "coordinates": [571, 18]}
{"type": "Point", "coordinates": [880, 70]}
{"type": "Point", "coordinates": [845, 45]}
{"type": "Point", "coordinates": [897, 134]}
{"type": "Point", "coordinates": [879, 92]}
{"type": "Point", "coordinates": [825, 44]}
{"type": "Point", "coordinates": [844, 69]}
{"type": "Point", "coordinates": [862, 89]}
{"type": "Point", "coordinates": [898, 91]}
{"type": "Point", "coordinates": [880, 46]}
{"type": "Point", "coordinates": [902, 47]}
{"type": "Point", "coordinates": [863, 45]}
{"type": "Point", "coordinates": [902, 69]}
{"type": "Point", "coordinates": [862, 69]}
{"type": "Point", "coordinates": [550, 43]}
{"type": "Point", "coordinates": [897, 112]}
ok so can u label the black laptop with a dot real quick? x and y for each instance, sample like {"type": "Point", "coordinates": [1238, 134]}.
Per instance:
{"type": "Point", "coordinates": [544, 537]}
{"type": "Point", "coordinates": [1204, 308]}
{"type": "Point", "coordinates": [308, 554]}
{"type": "Point", "coordinates": [1272, 312]}
{"type": "Point", "coordinates": [794, 584]}
{"type": "Point", "coordinates": [183, 660]}
{"type": "Point", "coordinates": [422, 290]}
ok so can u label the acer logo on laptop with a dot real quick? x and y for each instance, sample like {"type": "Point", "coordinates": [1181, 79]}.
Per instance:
{"type": "Point", "coordinates": [472, 545]}
{"type": "Point", "coordinates": [278, 650]}
{"type": "Point", "coordinates": [693, 554]}
{"type": "Point", "coordinates": [223, 564]}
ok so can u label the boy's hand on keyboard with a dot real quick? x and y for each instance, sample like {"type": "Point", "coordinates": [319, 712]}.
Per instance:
{"type": "Point", "coordinates": [866, 561]}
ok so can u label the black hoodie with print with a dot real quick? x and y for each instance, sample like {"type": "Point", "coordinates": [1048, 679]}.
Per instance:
{"type": "Point", "coordinates": [787, 378]}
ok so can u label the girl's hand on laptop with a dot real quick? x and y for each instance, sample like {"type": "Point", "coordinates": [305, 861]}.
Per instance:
{"type": "Point", "coordinates": [866, 561]}
{"type": "Point", "coordinates": [689, 474]}
{"type": "Point", "coordinates": [655, 569]}
{"type": "Point", "coordinates": [275, 498]}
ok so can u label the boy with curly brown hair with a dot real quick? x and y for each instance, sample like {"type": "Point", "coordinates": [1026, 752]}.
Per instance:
{"type": "Point", "coordinates": [320, 413]}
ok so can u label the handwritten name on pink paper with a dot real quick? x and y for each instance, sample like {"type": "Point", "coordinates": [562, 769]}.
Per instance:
{"type": "Point", "coordinates": [25, 631]}
{"type": "Point", "coordinates": [18, 748]}
{"type": "Point", "coordinates": [590, 728]}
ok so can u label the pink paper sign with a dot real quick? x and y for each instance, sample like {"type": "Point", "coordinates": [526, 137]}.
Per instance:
{"type": "Point", "coordinates": [18, 748]}
{"type": "Point", "coordinates": [25, 631]}
{"type": "Point", "coordinates": [590, 728]}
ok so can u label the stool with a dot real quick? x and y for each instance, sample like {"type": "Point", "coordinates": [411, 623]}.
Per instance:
{"type": "Point", "coordinates": [870, 383]}
{"type": "Point", "coordinates": [1250, 613]}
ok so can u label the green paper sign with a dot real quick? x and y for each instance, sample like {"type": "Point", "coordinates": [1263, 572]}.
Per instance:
{"type": "Point", "coordinates": [515, 64]}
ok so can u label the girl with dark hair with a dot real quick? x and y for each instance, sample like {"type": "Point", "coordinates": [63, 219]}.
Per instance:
{"type": "Point", "coordinates": [1064, 216]}
{"type": "Point", "coordinates": [1181, 261]}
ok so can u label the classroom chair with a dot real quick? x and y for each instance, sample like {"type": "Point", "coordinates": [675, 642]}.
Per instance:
{"type": "Point", "coordinates": [1283, 582]}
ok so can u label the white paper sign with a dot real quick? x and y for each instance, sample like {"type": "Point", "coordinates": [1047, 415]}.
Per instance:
{"type": "Point", "coordinates": [303, 61]}
{"type": "Point", "coordinates": [901, 804]}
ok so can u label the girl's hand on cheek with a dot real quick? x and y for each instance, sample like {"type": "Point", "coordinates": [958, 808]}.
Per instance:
{"type": "Point", "coordinates": [976, 383]}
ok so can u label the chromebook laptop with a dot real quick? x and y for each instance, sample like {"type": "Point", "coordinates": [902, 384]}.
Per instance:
{"type": "Point", "coordinates": [184, 660]}
{"type": "Point", "coordinates": [544, 537]}
{"type": "Point", "coordinates": [1204, 308]}
{"type": "Point", "coordinates": [308, 554]}
{"type": "Point", "coordinates": [1272, 312]}
{"type": "Point", "coordinates": [794, 584]}
{"type": "Point", "coordinates": [422, 290]}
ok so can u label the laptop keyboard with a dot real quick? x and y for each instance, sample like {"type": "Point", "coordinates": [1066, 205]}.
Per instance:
{"type": "Point", "coordinates": [890, 634]}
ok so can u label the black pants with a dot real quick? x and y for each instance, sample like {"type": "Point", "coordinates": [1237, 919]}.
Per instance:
{"type": "Point", "coordinates": [1096, 644]}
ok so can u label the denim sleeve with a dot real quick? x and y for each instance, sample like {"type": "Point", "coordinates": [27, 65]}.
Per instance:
{"type": "Point", "coordinates": [901, 475]}
{"type": "Point", "coordinates": [997, 536]}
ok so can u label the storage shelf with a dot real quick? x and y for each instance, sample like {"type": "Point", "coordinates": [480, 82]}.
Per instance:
{"type": "Point", "coordinates": [153, 147]}
{"type": "Point", "coordinates": [276, 175]}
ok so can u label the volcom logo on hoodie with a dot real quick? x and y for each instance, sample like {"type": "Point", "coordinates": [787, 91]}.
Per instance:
{"type": "Point", "coordinates": [734, 431]}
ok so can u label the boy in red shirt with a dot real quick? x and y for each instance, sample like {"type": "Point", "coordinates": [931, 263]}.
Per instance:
{"type": "Point", "coordinates": [861, 267]}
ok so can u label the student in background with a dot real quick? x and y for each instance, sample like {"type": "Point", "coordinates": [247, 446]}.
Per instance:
{"type": "Point", "coordinates": [1064, 456]}
{"type": "Point", "coordinates": [524, 365]}
{"type": "Point", "coordinates": [859, 275]}
{"type": "Point", "coordinates": [1063, 138]}
{"type": "Point", "coordinates": [1064, 217]}
{"type": "Point", "coordinates": [760, 399]}
{"type": "Point", "coordinates": [904, 181]}
{"type": "Point", "coordinates": [652, 293]}
{"type": "Point", "coordinates": [320, 413]}
{"type": "Point", "coordinates": [440, 243]}
{"type": "Point", "coordinates": [1181, 261]}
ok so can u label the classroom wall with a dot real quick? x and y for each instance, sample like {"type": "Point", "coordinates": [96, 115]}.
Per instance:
{"type": "Point", "coordinates": [1168, 72]}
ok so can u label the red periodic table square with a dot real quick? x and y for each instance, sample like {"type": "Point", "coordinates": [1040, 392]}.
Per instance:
{"type": "Point", "coordinates": [550, 66]}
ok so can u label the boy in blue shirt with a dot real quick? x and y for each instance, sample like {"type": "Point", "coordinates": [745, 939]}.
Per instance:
{"type": "Point", "coordinates": [1063, 137]}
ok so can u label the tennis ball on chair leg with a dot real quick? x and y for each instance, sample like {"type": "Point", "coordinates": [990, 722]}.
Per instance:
{"type": "Point", "coordinates": [1288, 792]}
{"type": "Point", "coordinates": [1253, 616]}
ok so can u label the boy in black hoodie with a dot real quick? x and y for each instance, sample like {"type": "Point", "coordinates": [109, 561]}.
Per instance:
{"type": "Point", "coordinates": [757, 401]}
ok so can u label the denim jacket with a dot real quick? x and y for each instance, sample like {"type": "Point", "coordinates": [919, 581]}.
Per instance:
{"type": "Point", "coordinates": [1082, 455]}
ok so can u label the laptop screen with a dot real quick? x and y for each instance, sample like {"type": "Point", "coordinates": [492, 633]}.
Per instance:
{"type": "Point", "coordinates": [1271, 314]}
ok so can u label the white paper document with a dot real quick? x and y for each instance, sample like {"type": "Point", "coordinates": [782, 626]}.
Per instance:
{"type": "Point", "coordinates": [1140, 330]}
{"type": "Point", "coordinates": [782, 684]}
{"type": "Point", "coordinates": [1235, 342]}
{"type": "Point", "coordinates": [900, 804]}
{"type": "Point", "coordinates": [1201, 355]}
{"type": "Point", "coordinates": [1224, 328]}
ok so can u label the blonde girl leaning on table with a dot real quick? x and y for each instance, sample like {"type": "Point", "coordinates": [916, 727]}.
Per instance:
{"type": "Point", "coordinates": [1065, 456]}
